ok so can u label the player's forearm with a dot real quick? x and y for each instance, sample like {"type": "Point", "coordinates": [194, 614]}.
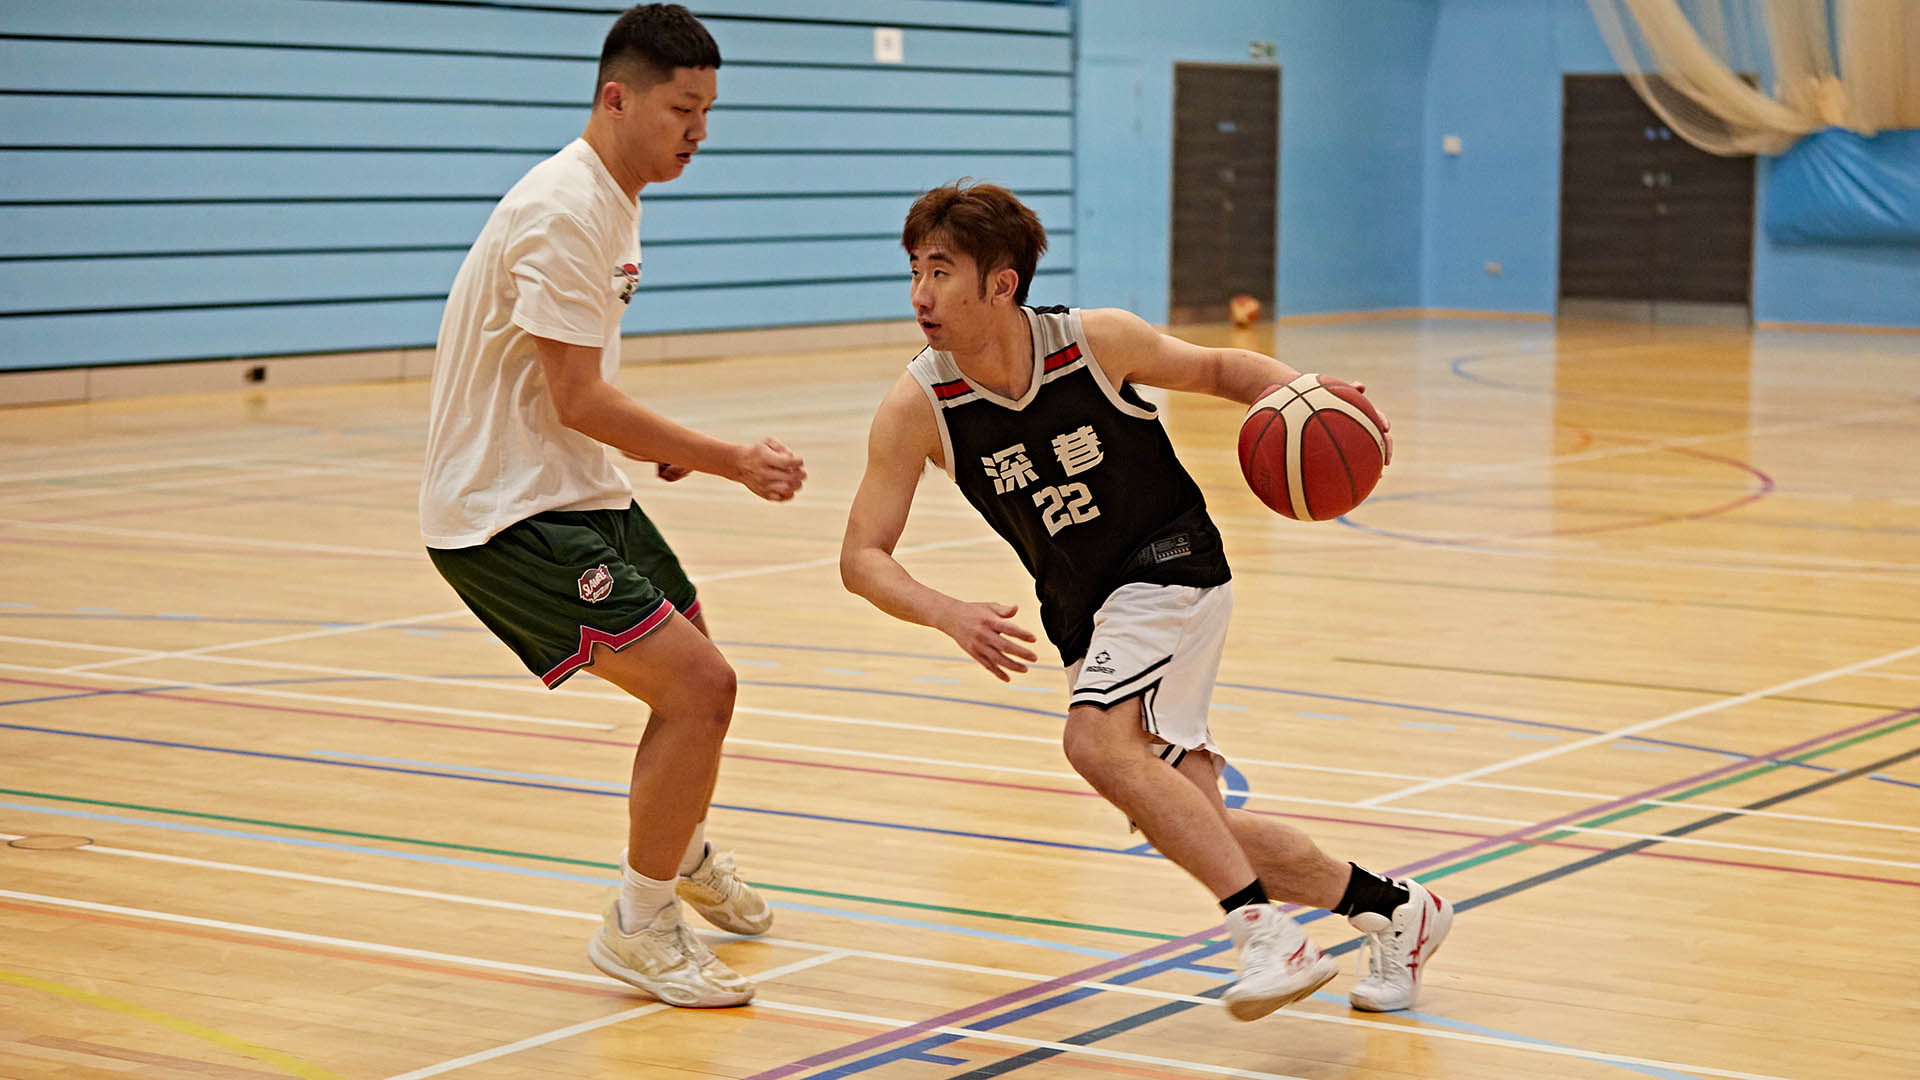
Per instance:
{"type": "Point", "coordinates": [605, 414]}
{"type": "Point", "coordinates": [879, 578]}
{"type": "Point", "coordinates": [1242, 374]}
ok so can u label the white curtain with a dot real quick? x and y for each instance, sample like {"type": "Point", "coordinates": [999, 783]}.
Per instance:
{"type": "Point", "coordinates": [1753, 76]}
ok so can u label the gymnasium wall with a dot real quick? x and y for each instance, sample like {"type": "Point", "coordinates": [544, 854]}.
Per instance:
{"type": "Point", "coordinates": [1496, 82]}
{"type": "Point", "coordinates": [1353, 74]}
{"type": "Point", "coordinates": [185, 179]}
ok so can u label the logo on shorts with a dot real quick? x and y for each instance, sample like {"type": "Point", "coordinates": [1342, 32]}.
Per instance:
{"type": "Point", "coordinates": [1100, 663]}
{"type": "Point", "coordinates": [595, 584]}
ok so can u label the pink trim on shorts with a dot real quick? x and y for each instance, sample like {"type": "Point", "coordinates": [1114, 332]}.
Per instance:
{"type": "Point", "coordinates": [589, 637]}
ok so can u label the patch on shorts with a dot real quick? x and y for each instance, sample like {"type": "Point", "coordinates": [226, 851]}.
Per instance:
{"type": "Point", "coordinates": [596, 584]}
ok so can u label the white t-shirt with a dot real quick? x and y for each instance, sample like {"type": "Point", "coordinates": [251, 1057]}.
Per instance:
{"type": "Point", "coordinates": [560, 258]}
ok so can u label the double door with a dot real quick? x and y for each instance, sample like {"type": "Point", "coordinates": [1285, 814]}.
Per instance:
{"type": "Point", "coordinates": [1644, 215]}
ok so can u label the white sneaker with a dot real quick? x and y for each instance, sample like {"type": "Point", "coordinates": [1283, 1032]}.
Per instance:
{"type": "Point", "coordinates": [666, 961]}
{"type": "Point", "coordinates": [715, 890]}
{"type": "Point", "coordinates": [1278, 965]}
{"type": "Point", "coordinates": [1399, 948]}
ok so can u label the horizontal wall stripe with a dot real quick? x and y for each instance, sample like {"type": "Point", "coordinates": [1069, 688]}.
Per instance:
{"type": "Point", "coordinates": [347, 200]}
{"type": "Point", "coordinates": [35, 175]}
{"type": "Point", "coordinates": [239, 178]}
{"type": "Point", "coordinates": [31, 64]}
{"type": "Point", "coordinates": [91, 286]}
{"type": "Point", "coordinates": [822, 110]}
{"type": "Point", "coordinates": [40, 342]}
{"type": "Point", "coordinates": [573, 29]}
{"type": "Point", "coordinates": [105, 230]}
{"type": "Point", "coordinates": [542, 150]}
{"type": "Point", "coordinates": [1052, 58]}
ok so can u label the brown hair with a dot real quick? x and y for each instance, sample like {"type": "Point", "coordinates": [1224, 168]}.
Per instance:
{"type": "Point", "coordinates": [983, 221]}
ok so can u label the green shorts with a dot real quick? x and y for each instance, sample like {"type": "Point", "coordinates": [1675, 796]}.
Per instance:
{"type": "Point", "coordinates": [556, 584]}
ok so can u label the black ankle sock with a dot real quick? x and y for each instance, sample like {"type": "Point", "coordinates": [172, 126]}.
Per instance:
{"type": "Point", "coordinates": [1252, 894]}
{"type": "Point", "coordinates": [1368, 891]}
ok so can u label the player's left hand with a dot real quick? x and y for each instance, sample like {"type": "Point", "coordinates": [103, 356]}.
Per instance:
{"type": "Point", "coordinates": [670, 473]}
{"type": "Point", "coordinates": [1384, 425]}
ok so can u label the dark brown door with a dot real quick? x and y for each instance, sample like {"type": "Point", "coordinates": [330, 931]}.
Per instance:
{"type": "Point", "coordinates": [1644, 215]}
{"type": "Point", "coordinates": [1226, 185]}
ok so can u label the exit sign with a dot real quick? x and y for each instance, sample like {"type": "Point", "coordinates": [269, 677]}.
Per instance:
{"type": "Point", "coordinates": [1260, 50]}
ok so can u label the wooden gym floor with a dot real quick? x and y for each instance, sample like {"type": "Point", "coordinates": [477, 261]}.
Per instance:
{"type": "Point", "coordinates": [1623, 657]}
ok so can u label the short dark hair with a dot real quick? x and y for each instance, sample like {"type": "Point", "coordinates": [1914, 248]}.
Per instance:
{"type": "Point", "coordinates": [984, 221]}
{"type": "Point", "coordinates": [649, 41]}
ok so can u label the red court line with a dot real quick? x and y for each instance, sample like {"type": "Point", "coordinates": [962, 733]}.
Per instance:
{"type": "Point", "coordinates": [164, 695]}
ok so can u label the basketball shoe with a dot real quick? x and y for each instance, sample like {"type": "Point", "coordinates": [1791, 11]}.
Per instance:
{"type": "Point", "coordinates": [714, 889]}
{"type": "Point", "coordinates": [666, 961]}
{"type": "Point", "coordinates": [1278, 964]}
{"type": "Point", "coordinates": [1398, 948]}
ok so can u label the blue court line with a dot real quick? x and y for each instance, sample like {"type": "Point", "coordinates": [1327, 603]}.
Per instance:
{"type": "Point", "coordinates": [1437, 710]}
{"type": "Point", "coordinates": [177, 616]}
{"type": "Point", "coordinates": [607, 879]}
{"type": "Point", "coordinates": [441, 773]}
{"type": "Point", "coordinates": [1051, 714]}
{"type": "Point", "coordinates": [1030, 1009]}
{"type": "Point", "coordinates": [1540, 724]}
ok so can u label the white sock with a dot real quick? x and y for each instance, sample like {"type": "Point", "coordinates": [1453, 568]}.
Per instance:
{"type": "Point", "coordinates": [696, 851]}
{"type": "Point", "coordinates": [641, 897]}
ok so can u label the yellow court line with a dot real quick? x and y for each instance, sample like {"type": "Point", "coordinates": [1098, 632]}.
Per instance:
{"type": "Point", "coordinates": [292, 1066]}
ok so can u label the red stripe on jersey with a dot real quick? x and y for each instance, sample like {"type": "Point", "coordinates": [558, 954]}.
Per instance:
{"type": "Point", "coordinates": [1064, 357]}
{"type": "Point", "coordinates": [948, 390]}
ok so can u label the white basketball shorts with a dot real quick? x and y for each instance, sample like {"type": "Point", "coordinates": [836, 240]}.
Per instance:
{"type": "Point", "coordinates": [1161, 644]}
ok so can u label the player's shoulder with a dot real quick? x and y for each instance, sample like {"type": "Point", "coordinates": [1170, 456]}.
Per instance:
{"type": "Point", "coordinates": [1113, 322]}
{"type": "Point", "coordinates": [1116, 337]}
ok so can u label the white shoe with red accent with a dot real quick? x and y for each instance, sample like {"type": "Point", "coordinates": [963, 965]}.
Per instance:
{"type": "Point", "coordinates": [1278, 965]}
{"type": "Point", "coordinates": [1399, 948]}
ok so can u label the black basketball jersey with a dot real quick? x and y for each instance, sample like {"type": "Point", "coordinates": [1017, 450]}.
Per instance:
{"type": "Point", "coordinates": [1077, 475]}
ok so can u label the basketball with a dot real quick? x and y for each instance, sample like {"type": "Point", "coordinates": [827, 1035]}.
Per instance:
{"type": "Point", "coordinates": [1244, 310]}
{"type": "Point", "coordinates": [1312, 449]}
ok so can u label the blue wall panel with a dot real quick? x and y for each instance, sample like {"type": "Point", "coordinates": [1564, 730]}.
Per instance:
{"type": "Point", "coordinates": [235, 177]}
{"type": "Point", "coordinates": [201, 228]}
{"type": "Point", "coordinates": [1352, 78]}
{"type": "Point", "coordinates": [1497, 71]}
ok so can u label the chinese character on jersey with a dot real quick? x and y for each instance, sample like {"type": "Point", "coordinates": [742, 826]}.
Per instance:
{"type": "Point", "coordinates": [1010, 469]}
{"type": "Point", "coordinates": [1078, 451]}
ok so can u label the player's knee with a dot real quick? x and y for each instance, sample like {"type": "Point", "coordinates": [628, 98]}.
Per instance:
{"type": "Point", "coordinates": [715, 685]}
{"type": "Point", "coordinates": [1090, 755]}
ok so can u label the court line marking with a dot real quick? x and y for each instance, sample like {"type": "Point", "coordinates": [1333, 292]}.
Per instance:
{"type": "Point", "coordinates": [611, 788]}
{"type": "Point", "coordinates": [278, 639]}
{"type": "Point", "coordinates": [266, 1055]}
{"type": "Point", "coordinates": [880, 1021]}
{"type": "Point", "coordinates": [212, 538]}
{"type": "Point", "coordinates": [157, 485]}
{"type": "Point", "coordinates": [531, 1042]}
{"type": "Point", "coordinates": [226, 461]}
{"type": "Point", "coordinates": [457, 772]}
{"type": "Point", "coordinates": [297, 695]}
{"type": "Point", "coordinates": [177, 684]}
{"type": "Point", "coordinates": [334, 631]}
{"type": "Point", "coordinates": [1747, 432]}
{"type": "Point", "coordinates": [1456, 858]}
{"type": "Point", "coordinates": [582, 1028]}
{"type": "Point", "coordinates": [1644, 726]}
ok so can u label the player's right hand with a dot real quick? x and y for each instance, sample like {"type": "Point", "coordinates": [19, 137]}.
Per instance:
{"type": "Point", "coordinates": [770, 470]}
{"type": "Point", "coordinates": [982, 631]}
